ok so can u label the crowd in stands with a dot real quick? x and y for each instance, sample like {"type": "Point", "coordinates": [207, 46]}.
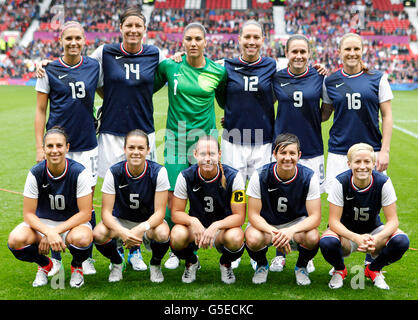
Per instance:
{"type": "Point", "coordinates": [18, 14]}
{"type": "Point", "coordinates": [322, 21]}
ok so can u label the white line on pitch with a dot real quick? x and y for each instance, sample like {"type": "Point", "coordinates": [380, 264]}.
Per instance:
{"type": "Point", "coordinates": [406, 131]}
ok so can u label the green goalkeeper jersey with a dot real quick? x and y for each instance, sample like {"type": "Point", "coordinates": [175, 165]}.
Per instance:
{"type": "Point", "coordinates": [191, 93]}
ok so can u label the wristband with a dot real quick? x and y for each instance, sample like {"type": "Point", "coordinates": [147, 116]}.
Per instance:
{"type": "Point", "coordinates": [147, 225]}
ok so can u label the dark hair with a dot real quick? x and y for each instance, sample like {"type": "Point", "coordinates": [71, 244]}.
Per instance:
{"type": "Point", "coordinates": [132, 11]}
{"type": "Point", "coordinates": [212, 138]}
{"type": "Point", "coordinates": [297, 37]}
{"type": "Point", "coordinates": [197, 25]}
{"type": "Point", "coordinates": [136, 132]}
{"type": "Point", "coordinates": [285, 139]}
{"type": "Point", "coordinates": [56, 129]}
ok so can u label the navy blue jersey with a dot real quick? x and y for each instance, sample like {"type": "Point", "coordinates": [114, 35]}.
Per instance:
{"type": "Point", "coordinates": [355, 99]}
{"type": "Point", "coordinates": [283, 201]}
{"type": "Point", "coordinates": [362, 206]}
{"type": "Point", "coordinates": [209, 201]}
{"type": "Point", "coordinates": [71, 96]}
{"type": "Point", "coordinates": [134, 198]}
{"type": "Point", "coordinates": [298, 109]}
{"type": "Point", "coordinates": [128, 87]}
{"type": "Point", "coordinates": [57, 196]}
{"type": "Point", "coordinates": [249, 107]}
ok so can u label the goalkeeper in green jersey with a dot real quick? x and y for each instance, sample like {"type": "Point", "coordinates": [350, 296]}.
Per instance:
{"type": "Point", "coordinates": [192, 86]}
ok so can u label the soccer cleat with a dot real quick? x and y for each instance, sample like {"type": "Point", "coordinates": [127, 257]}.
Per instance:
{"type": "Point", "coordinates": [172, 262]}
{"type": "Point", "coordinates": [227, 274]}
{"type": "Point", "coordinates": [337, 278]}
{"type": "Point", "coordinates": [277, 264]}
{"type": "Point", "coordinates": [310, 267]}
{"type": "Point", "coordinates": [116, 270]}
{"type": "Point", "coordinates": [190, 271]}
{"type": "Point", "coordinates": [260, 274]}
{"type": "Point", "coordinates": [377, 277]}
{"type": "Point", "coordinates": [235, 263]}
{"type": "Point", "coordinates": [136, 261]}
{"type": "Point", "coordinates": [41, 278]}
{"type": "Point", "coordinates": [156, 274]}
{"type": "Point", "coordinates": [253, 264]}
{"type": "Point", "coordinates": [77, 278]}
{"type": "Point", "coordinates": [56, 266]}
{"type": "Point", "coordinates": [302, 277]}
{"type": "Point", "coordinates": [88, 267]}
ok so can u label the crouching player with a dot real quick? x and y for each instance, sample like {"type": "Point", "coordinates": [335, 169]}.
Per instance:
{"type": "Point", "coordinates": [355, 200]}
{"type": "Point", "coordinates": [217, 211]}
{"type": "Point", "coordinates": [56, 211]}
{"type": "Point", "coordinates": [135, 193]}
{"type": "Point", "coordinates": [284, 209]}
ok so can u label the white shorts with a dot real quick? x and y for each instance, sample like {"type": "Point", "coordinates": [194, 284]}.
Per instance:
{"type": "Point", "coordinates": [245, 158]}
{"type": "Point", "coordinates": [318, 166]}
{"type": "Point", "coordinates": [293, 243]}
{"type": "Point", "coordinates": [336, 164]}
{"type": "Point", "coordinates": [53, 224]}
{"type": "Point", "coordinates": [89, 160]}
{"type": "Point", "coordinates": [111, 151]}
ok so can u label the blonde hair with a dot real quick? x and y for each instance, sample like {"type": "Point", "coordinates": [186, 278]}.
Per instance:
{"type": "Point", "coordinates": [360, 147]}
{"type": "Point", "coordinates": [355, 35]}
{"type": "Point", "coordinates": [71, 24]}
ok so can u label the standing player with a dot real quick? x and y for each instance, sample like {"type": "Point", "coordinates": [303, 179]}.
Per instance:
{"type": "Point", "coordinates": [298, 89]}
{"type": "Point", "coordinates": [216, 214]}
{"type": "Point", "coordinates": [134, 201]}
{"type": "Point", "coordinates": [357, 96]}
{"type": "Point", "coordinates": [192, 86]}
{"type": "Point", "coordinates": [69, 85]}
{"type": "Point", "coordinates": [284, 209]}
{"type": "Point", "coordinates": [355, 199]}
{"type": "Point", "coordinates": [56, 210]}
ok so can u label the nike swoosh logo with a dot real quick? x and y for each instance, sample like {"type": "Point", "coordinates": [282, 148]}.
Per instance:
{"type": "Point", "coordinates": [271, 190]}
{"type": "Point", "coordinates": [45, 185]}
{"type": "Point", "coordinates": [118, 57]}
{"type": "Point", "coordinates": [62, 76]}
{"type": "Point", "coordinates": [347, 198]}
{"type": "Point", "coordinates": [125, 185]}
{"type": "Point", "coordinates": [339, 85]}
{"type": "Point", "coordinates": [284, 84]}
{"type": "Point", "coordinates": [196, 189]}
{"type": "Point", "coordinates": [239, 68]}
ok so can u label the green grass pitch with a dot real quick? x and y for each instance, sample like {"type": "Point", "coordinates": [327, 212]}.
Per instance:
{"type": "Point", "coordinates": [17, 156]}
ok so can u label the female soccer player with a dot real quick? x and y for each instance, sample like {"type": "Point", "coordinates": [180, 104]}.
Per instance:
{"type": "Point", "coordinates": [356, 197]}
{"type": "Point", "coordinates": [357, 96]}
{"type": "Point", "coordinates": [133, 207]}
{"type": "Point", "coordinates": [192, 86]}
{"type": "Point", "coordinates": [217, 211]}
{"type": "Point", "coordinates": [284, 210]}
{"type": "Point", "coordinates": [56, 210]}
{"type": "Point", "coordinates": [69, 85]}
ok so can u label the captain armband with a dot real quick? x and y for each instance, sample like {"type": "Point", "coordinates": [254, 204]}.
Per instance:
{"type": "Point", "coordinates": [238, 196]}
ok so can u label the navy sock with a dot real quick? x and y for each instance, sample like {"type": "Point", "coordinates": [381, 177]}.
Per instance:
{"type": "Point", "coordinates": [93, 225]}
{"type": "Point", "coordinates": [228, 256]}
{"type": "Point", "coordinates": [30, 253]}
{"type": "Point", "coordinates": [110, 251]}
{"type": "Point", "coordinates": [133, 249]}
{"type": "Point", "coordinates": [187, 253]}
{"type": "Point", "coordinates": [332, 251]}
{"type": "Point", "coordinates": [258, 256]}
{"type": "Point", "coordinates": [392, 252]}
{"type": "Point", "coordinates": [305, 255]}
{"type": "Point", "coordinates": [79, 255]}
{"type": "Point", "coordinates": [280, 253]}
{"type": "Point", "coordinates": [56, 255]}
{"type": "Point", "coordinates": [158, 251]}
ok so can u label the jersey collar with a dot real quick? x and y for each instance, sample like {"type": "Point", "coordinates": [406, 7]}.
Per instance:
{"type": "Point", "coordinates": [249, 63]}
{"type": "Point", "coordinates": [284, 181]}
{"type": "Point", "coordinates": [138, 176]}
{"type": "Point", "coordinates": [345, 74]}
{"type": "Point", "coordinates": [131, 54]}
{"type": "Point", "coordinates": [68, 66]}
{"type": "Point", "coordinates": [211, 180]}
{"type": "Point", "coordinates": [298, 75]}
{"type": "Point", "coordinates": [61, 175]}
{"type": "Point", "coordinates": [364, 189]}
